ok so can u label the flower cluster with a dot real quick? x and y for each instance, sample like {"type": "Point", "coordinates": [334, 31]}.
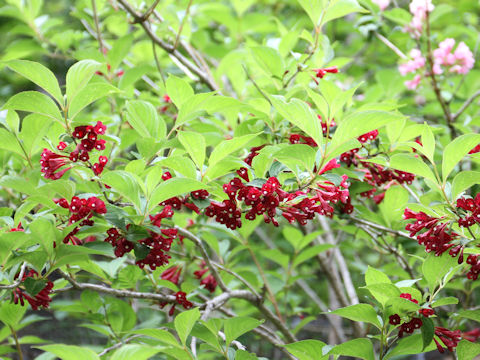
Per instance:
{"type": "Point", "coordinates": [41, 299]}
{"type": "Point", "coordinates": [413, 322]}
{"type": "Point", "coordinates": [471, 211]}
{"type": "Point", "coordinates": [81, 209]}
{"type": "Point", "coordinates": [208, 281]}
{"type": "Point", "coordinates": [172, 274]}
{"type": "Point", "coordinates": [382, 4]}
{"type": "Point", "coordinates": [419, 10]}
{"type": "Point", "coordinates": [459, 61]}
{"type": "Point", "coordinates": [320, 73]}
{"type": "Point", "coordinates": [181, 299]}
{"type": "Point", "coordinates": [438, 236]}
{"type": "Point", "coordinates": [53, 163]}
{"type": "Point", "coordinates": [449, 338]}
{"type": "Point", "coordinates": [416, 62]}
{"type": "Point", "coordinates": [177, 201]}
{"type": "Point", "coordinates": [156, 244]}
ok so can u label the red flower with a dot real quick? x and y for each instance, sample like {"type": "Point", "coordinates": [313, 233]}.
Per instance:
{"type": "Point", "coordinates": [41, 299]}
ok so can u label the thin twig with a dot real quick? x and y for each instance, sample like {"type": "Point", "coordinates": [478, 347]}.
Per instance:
{"type": "Point", "coordinates": [436, 89]}
{"type": "Point", "coordinates": [182, 24]}
{"type": "Point", "coordinates": [149, 12]}
{"type": "Point", "coordinates": [97, 27]}
{"type": "Point", "coordinates": [210, 82]}
{"type": "Point", "coordinates": [465, 105]}
{"type": "Point", "coordinates": [118, 345]}
{"type": "Point", "coordinates": [395, 49]}
{"type": "Point", "coordinates": [187, 234]}
{"type": "Point", "coordinates": [18, 281]}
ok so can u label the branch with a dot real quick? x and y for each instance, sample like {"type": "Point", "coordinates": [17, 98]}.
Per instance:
{"type": "Point", "coordinates": [381, 227]}
{"type": "Point", "coordinates": [465, 105]}
{"type": "Point", "coordinates": [436, 89]}
{"type": "Point", "coordinates": [395, 49]}
{"type": "Point", "coordinates": [187, 234]}
{"type": "Point", "coordinates": [118, 345]}
{"type": "Point", "coordinates": [210, 82]}
{"type": "Point", "coordinates": [18, 281]}
{"type": "Point", "coordinates": [119, 293]}
{"type": "Point", "coordinates": [149, 12]}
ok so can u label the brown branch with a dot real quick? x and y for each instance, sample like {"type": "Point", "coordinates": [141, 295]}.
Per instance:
{"type": "Point", "coordinates": [147, 13]}
{"type": "Point", "coordinates": [18, 281]}
{"type": "Point", "coordinates": [97, 27]}
{"type": "Point", "coordinates": [436, 89]}
{"type": "Point", "coordinates": [465, 105]}
{"type": "Point", "coordinates": [175, 44]}
{"type": "Point", "coordinates": [187, 234]}
{"type": "Point", "coordinates": [118, 293]}
{"type": "Point", "coordinates": [210, 82]}
{"type": "Point", "coordinates": [119, 344]}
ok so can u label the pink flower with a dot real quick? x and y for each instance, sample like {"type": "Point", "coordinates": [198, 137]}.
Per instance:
{"type": "Point", "coordinates": [413, 84]}
{"type": "Point", "coordinates": [419, 9]}
{"type": "Point", "coordinates": [382, 4]}
{"type": "Point", "coordinates": [460, 61]}
{"type": "Point", "coordinates": [417, 62]}
{"type": "Point", "coordinates": [463, 58]}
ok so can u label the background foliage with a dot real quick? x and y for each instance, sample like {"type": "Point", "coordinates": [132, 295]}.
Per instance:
{"type": "Point", "coordinates": [339, 137]}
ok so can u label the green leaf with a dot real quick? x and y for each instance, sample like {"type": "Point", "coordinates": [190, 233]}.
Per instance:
{"type": "Point", "coordinates": [434, 268]}
{"type": "Point", "coordinates": [374, 276]}
{"type": "Point", "coordinates": [145, 120]}
{"type": "Point", "coordinates": [90, 93]}
{"type": "Point", "coordinates": [70, 352]}
{"type": "Point", "coordinates": [11, 314]}
{"type": "Point", "coordinates": [184, 323]}
{"type": "Point", "coordinates": [467, 350]}
{"type": "Point", "coordinates": [410, 345]}
{"type": "Point", "coordinates": [192, 108]}
{"type": "Point", "coordinates": [34, 128]}
{"type": "Point", "coordinates": [411, 164]}
{"type": "Point", "coordinates": [134, 351]}
{"type": "Point", "coordinates": [34, 286]}
{"type": "Point", "coordinates": [382, 292]}
{"type": "Point", "coordinates": [126, 184]}
{"type": "Point", "coordinates": [359, 312]}
{"type": "Point", "coordinates": [428, 330]}
{"type": "Point", "coordinates": [35, 102]}
{"type": "Point", "coordinates": [359, 123]}
{"type": "Point", "coordinates": [9, 142]}
{"type": "Point", "coordinates": [237, 326]}
{"type": "Point", "coordinates": [78, 76]}
{"type": "Point", "coordinates": [173, 187]}
{"type": "Point", "coordinates": [179, 90]}
{"type": "Point", "coordinates": [313, 8]}
{"type": "Point", "coordinates": [340, 8]}
{"type": "Point", "coordinates": [194, 144]}
{"type": "Point", "coordinates": [359, 348]}
{"type": "Point", "coordinates": [300, 115]}
{"type": "Point", "coordinates": [428, 142]}
{"type": "Point", "coordinates": [38, 74]}
{"type": "Point", "coordinates": [119, 51]}
{"type": "Point", "coordinates": [311, 252]}
{"type": "Point", "coordinates": [464, 180]}
{"type": "Point", "coordinates": [306, 349]}
{"type": "Point", "coordinates": [45, 230]}
{"type": "Point", "coordinates": [227, 147]}
{"type": "Point", "coordinates": [244, 355]}
{"type": "Point", "coordinates": [470, 314]}
{"type": "Point", "coordinates": [269, 60]}
{"type": "Point", "coordinates": [456, 151]}
{"type": "Point", "coordinates": [448, 300]}
{"type": "Point", "coordinates": [163, 335]}
{"type": "Point", "coordinates": [297, 157]}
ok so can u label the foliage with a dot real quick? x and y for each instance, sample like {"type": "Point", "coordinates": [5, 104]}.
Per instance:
{"type": "Point", "coordinates": [239, 179]}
